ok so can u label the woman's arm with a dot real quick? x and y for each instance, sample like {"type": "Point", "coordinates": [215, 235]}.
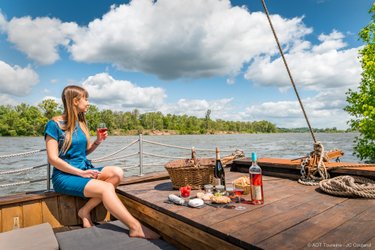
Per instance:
{"type": "Point", "coordinates": [57, 162]}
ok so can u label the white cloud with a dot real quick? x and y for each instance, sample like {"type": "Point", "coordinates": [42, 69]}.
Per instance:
{"type": "Point", "coordinates": [15, 80]}
{"type": "Point", "coordinates": [7, 100]}
{"type": "Point", "coordinates": [323, 111]}
{"type": "Point", "coordinates": [108, 92]}
{"type": "Point", "coordinates": [181, 38]}
{"type": "Point", "coordinates": [325, 66]}
{"type": "Point", "coordinates": [220, 109]}
{"type": "Point", "coordinates": [39, 38]}
{"type": "Point", "coordinates": [3, 22]}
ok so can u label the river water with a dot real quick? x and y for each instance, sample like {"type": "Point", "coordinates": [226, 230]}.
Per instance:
{"type": "Point", "coordinates": [288, 145]}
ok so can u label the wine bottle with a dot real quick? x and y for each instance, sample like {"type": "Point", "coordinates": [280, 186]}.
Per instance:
{"type": "Point", "coordinates": [256, 183]}
{"type": "Point", "coordinates": [219, 169]}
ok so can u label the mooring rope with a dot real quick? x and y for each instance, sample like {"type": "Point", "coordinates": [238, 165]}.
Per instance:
{"type": "Point", "coordinates": [349, 186]}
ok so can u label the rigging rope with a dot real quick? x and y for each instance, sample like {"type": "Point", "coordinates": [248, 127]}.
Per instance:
{"type": "Point", "coordinates": [287, 69]}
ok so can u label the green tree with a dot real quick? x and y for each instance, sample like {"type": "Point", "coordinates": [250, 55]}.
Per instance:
{"type": "Point", "coordinates": [361, 103]}
{"type": "Point", "coordinates": [50, 108]}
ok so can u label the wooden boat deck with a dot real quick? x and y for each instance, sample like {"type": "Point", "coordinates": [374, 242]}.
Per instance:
{"type": "Point", "coordinates": [293, 217]}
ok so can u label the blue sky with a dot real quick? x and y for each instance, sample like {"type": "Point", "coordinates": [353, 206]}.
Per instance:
{"type": "Point", "coordinates": [186, 56]}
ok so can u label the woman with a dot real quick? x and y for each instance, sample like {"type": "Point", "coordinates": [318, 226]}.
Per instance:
{"type": "Point", "coordinates": [68, 142]}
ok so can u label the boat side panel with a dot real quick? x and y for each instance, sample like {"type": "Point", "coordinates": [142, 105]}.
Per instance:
{"type": "Point", "coordinates": [32, 213]}
{"type": "Point", "coordinates": [183, 235]}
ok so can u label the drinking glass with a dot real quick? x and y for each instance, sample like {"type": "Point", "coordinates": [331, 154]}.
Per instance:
{"type": "Point", "coordinates": [185, 192]}
{"type": "Point", "coordinates": [238, 192]}
{"type": "Point", "coordinates": [102, 128]}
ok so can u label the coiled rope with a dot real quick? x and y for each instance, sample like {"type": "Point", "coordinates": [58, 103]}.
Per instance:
{"type": "Point", "coordinates": [349, 186]}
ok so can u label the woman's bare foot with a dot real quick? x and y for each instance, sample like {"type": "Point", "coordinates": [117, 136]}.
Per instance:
{"type": "Point", "coordinates": [86, 218]}
{"type": "Point", "coordinates": [143, 232]}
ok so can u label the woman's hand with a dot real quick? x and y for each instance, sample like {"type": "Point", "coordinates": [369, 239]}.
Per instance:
{"type": "Point", "coordinates": [93, 174]}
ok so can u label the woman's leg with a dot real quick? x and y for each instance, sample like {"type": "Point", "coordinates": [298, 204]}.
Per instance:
{"type": "Point", "coordinates": [106, 192]}
{"type": "Point", "coordinates": [109, 174]}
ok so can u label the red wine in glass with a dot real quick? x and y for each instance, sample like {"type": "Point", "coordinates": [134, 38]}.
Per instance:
{"type": "Point", "coordinates": [102, 128]}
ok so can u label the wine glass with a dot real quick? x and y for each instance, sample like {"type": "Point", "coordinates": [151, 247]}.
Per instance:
{"type": "Point", "coordinates": [238, 192]}
{"type": "Point", "coordinates": [102, 128]}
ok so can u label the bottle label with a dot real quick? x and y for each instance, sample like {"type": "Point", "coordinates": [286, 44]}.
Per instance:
{"type": "Point", "coordinates": [256, 192]}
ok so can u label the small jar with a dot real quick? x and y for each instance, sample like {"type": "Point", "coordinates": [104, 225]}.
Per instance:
{"type": "Point", "coordinates": [230, 192]}
{"type": "Point", "coordinates": [220, 189]}
{"type": "Point", "coordinates": [208, 188]}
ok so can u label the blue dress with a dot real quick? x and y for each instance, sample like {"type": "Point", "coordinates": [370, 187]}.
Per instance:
{"type": "Point", "coordinates": [76, 156]}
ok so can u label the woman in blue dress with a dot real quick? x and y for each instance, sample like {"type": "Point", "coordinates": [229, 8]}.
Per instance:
{"type": "Point", "coordinates": [68, 142]}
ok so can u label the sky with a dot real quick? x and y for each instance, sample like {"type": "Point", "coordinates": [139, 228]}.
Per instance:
{"type": "Point", "coordinates": [187, 56]}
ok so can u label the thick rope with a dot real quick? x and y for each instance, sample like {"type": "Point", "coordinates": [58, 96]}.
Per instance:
{"type": "Point", "coordinates": [349, 186]}
{"type": "Point", "coordinates": [288, 70]}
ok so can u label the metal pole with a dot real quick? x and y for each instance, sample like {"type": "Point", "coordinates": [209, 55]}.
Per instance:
{"type": "Point", "coordinates": [140, 155]}
{"type": "Point", "coordinates": [48, 177]}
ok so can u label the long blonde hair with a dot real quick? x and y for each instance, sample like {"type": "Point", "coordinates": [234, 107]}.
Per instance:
{"type": "Point", "coordinates": [71, 115]}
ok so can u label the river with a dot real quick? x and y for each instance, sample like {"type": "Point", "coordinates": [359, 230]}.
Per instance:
{"type": "Point", "coordinates": [288, 145]}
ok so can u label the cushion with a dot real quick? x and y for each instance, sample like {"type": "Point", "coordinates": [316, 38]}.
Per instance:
{"type": "Point", "coordinates": [34, 237]}
{"type": "Point", "coordinates": [110, 236]}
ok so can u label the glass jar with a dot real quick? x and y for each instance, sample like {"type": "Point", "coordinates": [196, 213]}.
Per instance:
{"type": "Point", "coordinates": [208, 188]}
{"type": "Point", "coordinates": [220, 189]}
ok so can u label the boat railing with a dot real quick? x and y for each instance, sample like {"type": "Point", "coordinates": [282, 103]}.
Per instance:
{"type": "Point", "coordinates": [106, 158]}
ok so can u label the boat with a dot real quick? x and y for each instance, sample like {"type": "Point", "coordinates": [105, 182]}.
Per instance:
{"type": "Point", "coordinates": [293, 215]}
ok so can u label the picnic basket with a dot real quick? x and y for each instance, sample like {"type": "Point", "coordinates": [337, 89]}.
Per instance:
{"type": "Point", "coordinates": [196, 172]}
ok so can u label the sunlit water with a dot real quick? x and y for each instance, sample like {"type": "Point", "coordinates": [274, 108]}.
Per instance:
{"type": "Point", "coordinates": [289, 145]}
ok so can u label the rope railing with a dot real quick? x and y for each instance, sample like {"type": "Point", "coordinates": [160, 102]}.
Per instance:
{"type": "Point", "coordinates": [162, 156]}
{"type": "Point", "coordinates": [22, 154]}
{"type": "Point", "coordinates": [130, 167]}
{"type": "Point", "coordinates": [20, 183]}
{"type": "Point", "coordinates": [115, 158]}
{"type": "Point", "coordinates": [116, 152]}
{"type": "Point", "coordinates": [22, 169]}
{"type": "Point", "coordinates": [187, 148]}
{"type": "Point", "coordinates": [108, 157]}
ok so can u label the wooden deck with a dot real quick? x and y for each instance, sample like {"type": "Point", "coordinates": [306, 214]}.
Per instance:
{"type": "Point", "coordinates": [293, 217]}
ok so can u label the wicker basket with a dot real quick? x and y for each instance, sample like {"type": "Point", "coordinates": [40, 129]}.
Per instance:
{"type": "Point", "coordinates": [185, 172]}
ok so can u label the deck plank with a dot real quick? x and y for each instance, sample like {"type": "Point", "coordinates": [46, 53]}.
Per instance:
{"type": "Point", "coordinates": [354, 232]}
{"type": "Point", "coordinates": [310, 230]}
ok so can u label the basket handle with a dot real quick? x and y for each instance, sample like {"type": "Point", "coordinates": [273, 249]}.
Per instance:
{"type": "Point", "coordinates": [194, 157]}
